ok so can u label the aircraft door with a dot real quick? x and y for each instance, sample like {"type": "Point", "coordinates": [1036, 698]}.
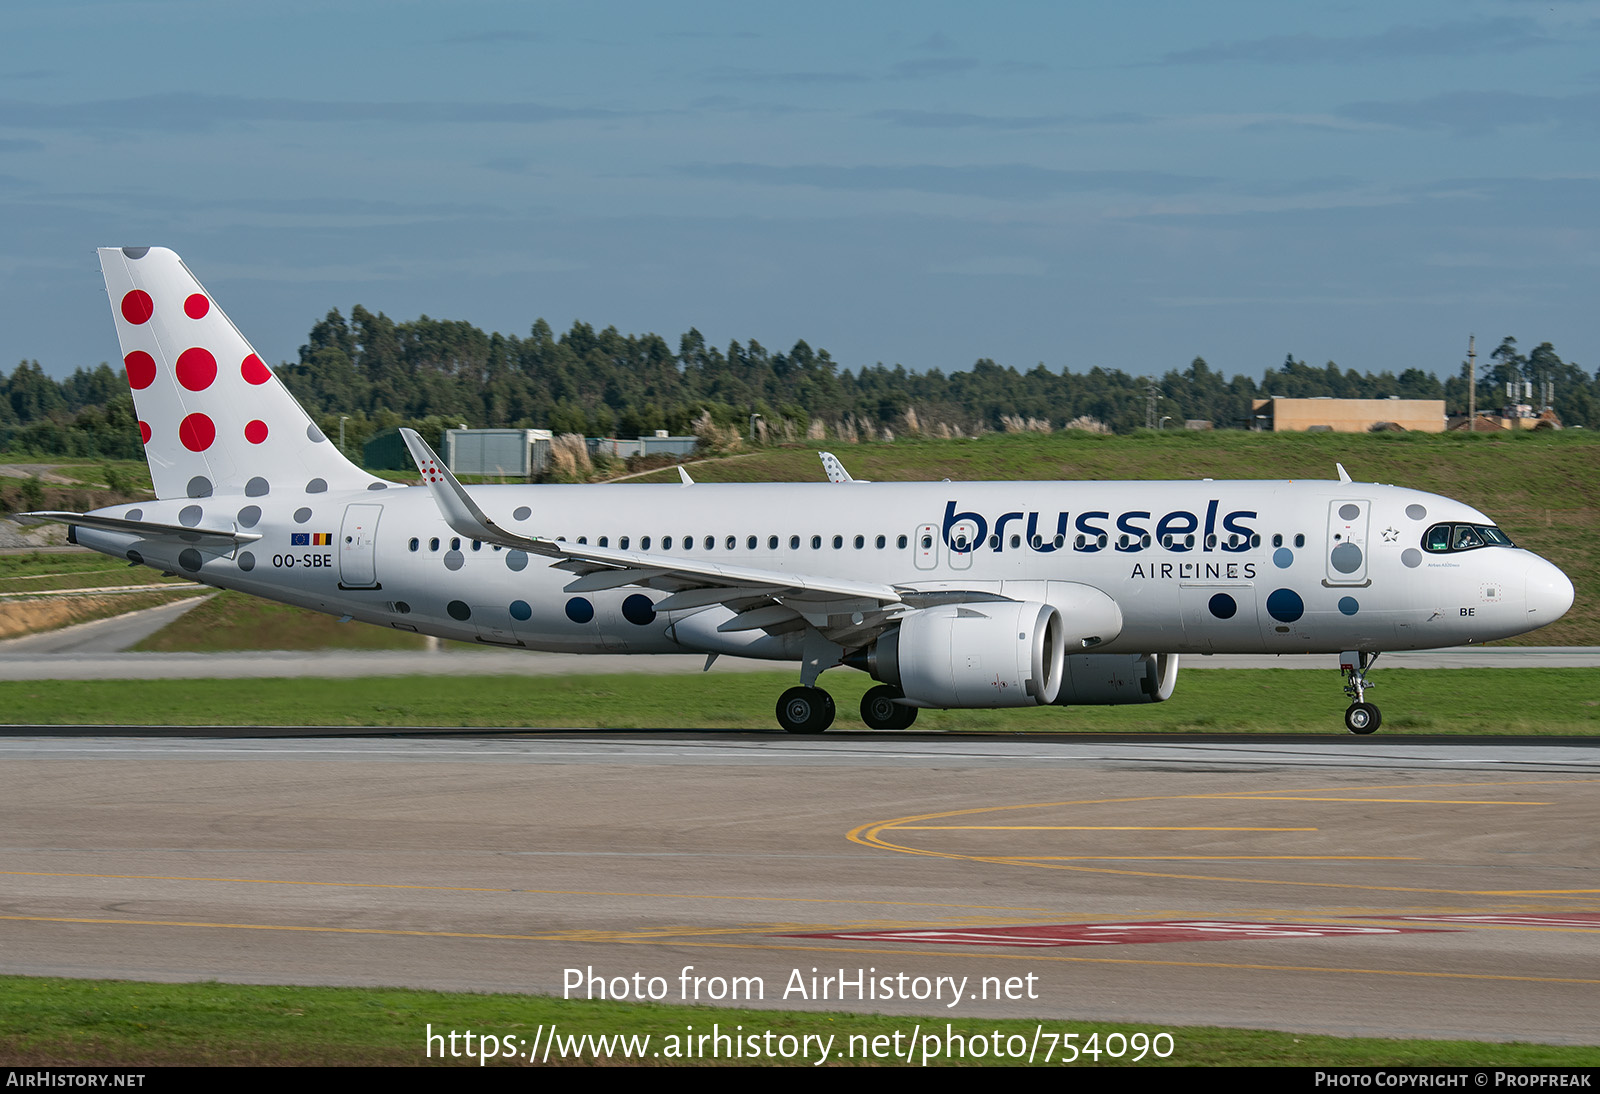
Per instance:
{"type": "Point", "coordinates": [963, 544]}
{"type": "Point", "coordinates": [925, 546]}
{"type": "Point", "coordinates": [1347, 542]}
{"type": "Point", "coordinates": [358, 547]}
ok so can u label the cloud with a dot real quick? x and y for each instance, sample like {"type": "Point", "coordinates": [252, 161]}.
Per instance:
{"type": "Point", "coordinates": [1000, 182]}
{"type": "Point", "coordinates": [186, 111]}
{"type": "Point", "coordinates": [1503, 35]}
{"type": "Point", "coordinates": [1477, 112]}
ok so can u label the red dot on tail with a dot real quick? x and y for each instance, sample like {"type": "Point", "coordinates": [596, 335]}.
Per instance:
{"type": "Point", "coordinates": [254, 371]}
{"type": "Point", "coordinates": [255, 432]}
{"type": "Point", "coordinates": [144, 432]}
{"type": "Point", "coordinates": [141, 369]}
{"type": "Point", "coordinates": [137, 307]}
{"type": "Point", "coordinates": [196, 306]}
{"type": "Point", "coordinates": [197, 432]}
{"type": "Point", "coordinates": [196, 368]}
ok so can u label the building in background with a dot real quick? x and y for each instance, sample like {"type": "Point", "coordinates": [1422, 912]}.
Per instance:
{"type": "Point", "coordinates": [1347, 415]}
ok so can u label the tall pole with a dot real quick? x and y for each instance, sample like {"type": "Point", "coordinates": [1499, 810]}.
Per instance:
{"type": "Point", "coordinates": [1472, 384]}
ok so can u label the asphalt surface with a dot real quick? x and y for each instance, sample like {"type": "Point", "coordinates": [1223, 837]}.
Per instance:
{"type": "Point", "coordinates": [1350, 886]}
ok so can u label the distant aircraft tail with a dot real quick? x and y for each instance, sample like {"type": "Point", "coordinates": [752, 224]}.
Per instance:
{"type": "Point", "coordinates": [213, 417]}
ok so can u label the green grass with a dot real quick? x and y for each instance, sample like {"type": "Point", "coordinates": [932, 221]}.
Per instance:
{"type": "Point", "coordinates": [40, 571]}
{"type": "Point", "coordinates": [236, 621]}
{"type": "Point", "coordinates": [1423, 701]}
{"type": "Point", "coordinates": [104, 1022]}
{"type": "Point", "coordinates": [1542, 488]}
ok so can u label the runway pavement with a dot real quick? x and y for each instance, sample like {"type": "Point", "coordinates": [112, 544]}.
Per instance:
{"type": "Point", "coordinates": [1352, 886]}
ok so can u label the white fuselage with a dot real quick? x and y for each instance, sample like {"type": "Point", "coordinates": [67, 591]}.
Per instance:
{"type": "Point", "coordinates": [1198, 566]}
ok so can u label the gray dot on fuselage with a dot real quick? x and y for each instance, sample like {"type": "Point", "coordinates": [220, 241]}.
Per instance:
{"type": "Point", "coordinates": [517, 560]}
{"type": "Point", "coordinates": [1416, 512]}
{"type": "Point", "coordinates": [453, 560]}
{"type": "Point", "coordinates": [377, 486]}
{"type": "Point", "coordinates": [257, 487]}
{"type": "Point", "coordinates": [1411, 557]}
{"type": "Point", "coordinates": [521, 512]}
{"type": "Point", "coordinates": [1346, 558]}
{"type": "Point", "coordinates": [134, 514]}
{"type": "Point", "coordinates": [189, 516]}
{"type": "Point", "coordinates": [189, 559]}
{"type": "Point", "coordinates": [199, 487]}
{"type": "Point", "coordinates": [302, 515]}
{"type": "Point", "coordinates": [317, 486]}
{"type": "Point", "coordinates": [1349, 512]}
{"type": "Point", "coordinates": [136, 252]}
{"type": "Point", "coordinates": [313, 434]}
{"type": "Point", "coordinates": [247, 561]}
{"type": "Point", "coordinates": [248, 516]}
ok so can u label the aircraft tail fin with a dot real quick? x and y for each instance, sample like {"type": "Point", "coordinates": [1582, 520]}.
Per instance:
{"type": "Point", "coordinates": [213, 417]}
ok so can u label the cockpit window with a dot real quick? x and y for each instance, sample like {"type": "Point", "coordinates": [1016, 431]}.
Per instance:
{"type": "Point", "coordinates": [1464, 537]}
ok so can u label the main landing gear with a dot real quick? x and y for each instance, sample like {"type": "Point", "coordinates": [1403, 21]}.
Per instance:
{"type": "Point", "coordinates": [805, 710]}
{"type": "Point", "coordinates": [811, 710]}
{"type": "Point", "coordinates": [1361, 716]}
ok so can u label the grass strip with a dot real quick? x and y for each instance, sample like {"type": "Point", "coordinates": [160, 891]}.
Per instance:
{"type": "Point", "coordinates": [1429, 701]}
{"type": "Point", "coordinates": [56, 1022]}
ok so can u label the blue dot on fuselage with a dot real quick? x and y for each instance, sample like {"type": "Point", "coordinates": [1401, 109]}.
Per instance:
{"type": "Point", "coordinates": [521, 611]}
{"type": "Point", "coordinates": [1348, 605]}
{"type": "Point", "coordinates": [1285, 605]}
{"type": "Point", "coordinates": [579, 610]}
{"type": "Point", "coordinates": [1282, 558]}
{"type": "Point", "coordinates": [637, 609]}
{"type": "Point", "coordinates": [1223, 606]}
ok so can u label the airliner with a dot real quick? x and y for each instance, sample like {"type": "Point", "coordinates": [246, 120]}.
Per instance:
{"type": "Point", "coordinates": [949, 594]}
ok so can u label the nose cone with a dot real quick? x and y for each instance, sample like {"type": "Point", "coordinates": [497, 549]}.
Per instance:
{"type": "Point", "coordinates": [1549, 593]}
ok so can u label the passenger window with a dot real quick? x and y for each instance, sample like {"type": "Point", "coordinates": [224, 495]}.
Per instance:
{"type": "Point", "coordinates": [816, 543]}
{"type": "Point", "coordinates": [880, 542]}
{"type": "Point", "coordinates": [455, 543]}
{"type": "Point", "coordinates": [772, 543]}
{"type": "Point", "coordinates": [581, 539]}
{"type": "Point", "coordinates": [477, 544]}
{"type": "Point", "coordinates": [666, 543]}
{"type": "Point", "coordinates": [623, 543]}
{"type": "Point", "coordinates": [838, 542]}
{"type": "Point", "coordinates": [861, 541]}
{"type": "Point", "coordinates": [711, 541]}
{"type": "Point", "coordinates": [1299, 539]}
{"type": "Point", "coordinates": [433, 544]}
{"type": "Point", "coordinates": [604, 541]}
{"type": "Point", "coordinates": [415, 543]}
{"type": "Point", "coordinates": [1277, 540]}
{"type": "Point", "coordinates": [644, 543]}
{"type": "Point", "coordinates": [749, 543]}
{"type": "Point", "coordinates": [794, 543]}
{"type": "Point", "coordinates": [900, 543]}
{"type": "Point", "coordinates": [1016, 540]}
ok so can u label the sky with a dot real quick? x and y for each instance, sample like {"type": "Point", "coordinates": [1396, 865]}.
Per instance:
{"type": "Point", "coordinates": [923, 183]}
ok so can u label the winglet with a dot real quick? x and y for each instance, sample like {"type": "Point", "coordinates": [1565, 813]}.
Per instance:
{"type": "Point", "coordinates": [1344, 476]}
{"type": "Point", "coordinates": [460, 512]}
{"type": "Point", "coordinates": [684, 475]}
{"type": "Point", "coordinates": [834, 469]}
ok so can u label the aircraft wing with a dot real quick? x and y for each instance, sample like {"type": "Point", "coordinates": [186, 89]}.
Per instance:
{"type": "Point", "coordinates": [146, 529]}
{"type": "Point", "coordinates": [769, 600]}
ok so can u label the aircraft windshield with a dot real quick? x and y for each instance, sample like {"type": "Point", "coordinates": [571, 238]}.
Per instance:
{"type": "Point", "coordinates": [1464, 537]}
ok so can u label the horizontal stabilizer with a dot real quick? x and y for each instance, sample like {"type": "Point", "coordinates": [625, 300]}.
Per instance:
{"type": "Point", "coordinates": [147, 529]}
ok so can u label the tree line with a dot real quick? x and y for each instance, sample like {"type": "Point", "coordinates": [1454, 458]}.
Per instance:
{"type": "Point", "coordinates": [433, 374]}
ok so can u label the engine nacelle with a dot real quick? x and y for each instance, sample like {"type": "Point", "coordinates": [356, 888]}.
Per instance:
{"type": "Point", "coordinates": [1001, 653]}
{"type": "Point", "coordinates": [1111, 679]}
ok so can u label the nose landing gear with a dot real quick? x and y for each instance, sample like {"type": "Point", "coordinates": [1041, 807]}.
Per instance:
{"type": "Point", "coordinates": [1361, 716]}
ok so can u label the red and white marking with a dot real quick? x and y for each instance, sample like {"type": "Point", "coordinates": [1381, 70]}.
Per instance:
{"type": "Point", "coordinates": [1591, 920]}
{"type": "Point", "coordinates": [1121, 934]}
